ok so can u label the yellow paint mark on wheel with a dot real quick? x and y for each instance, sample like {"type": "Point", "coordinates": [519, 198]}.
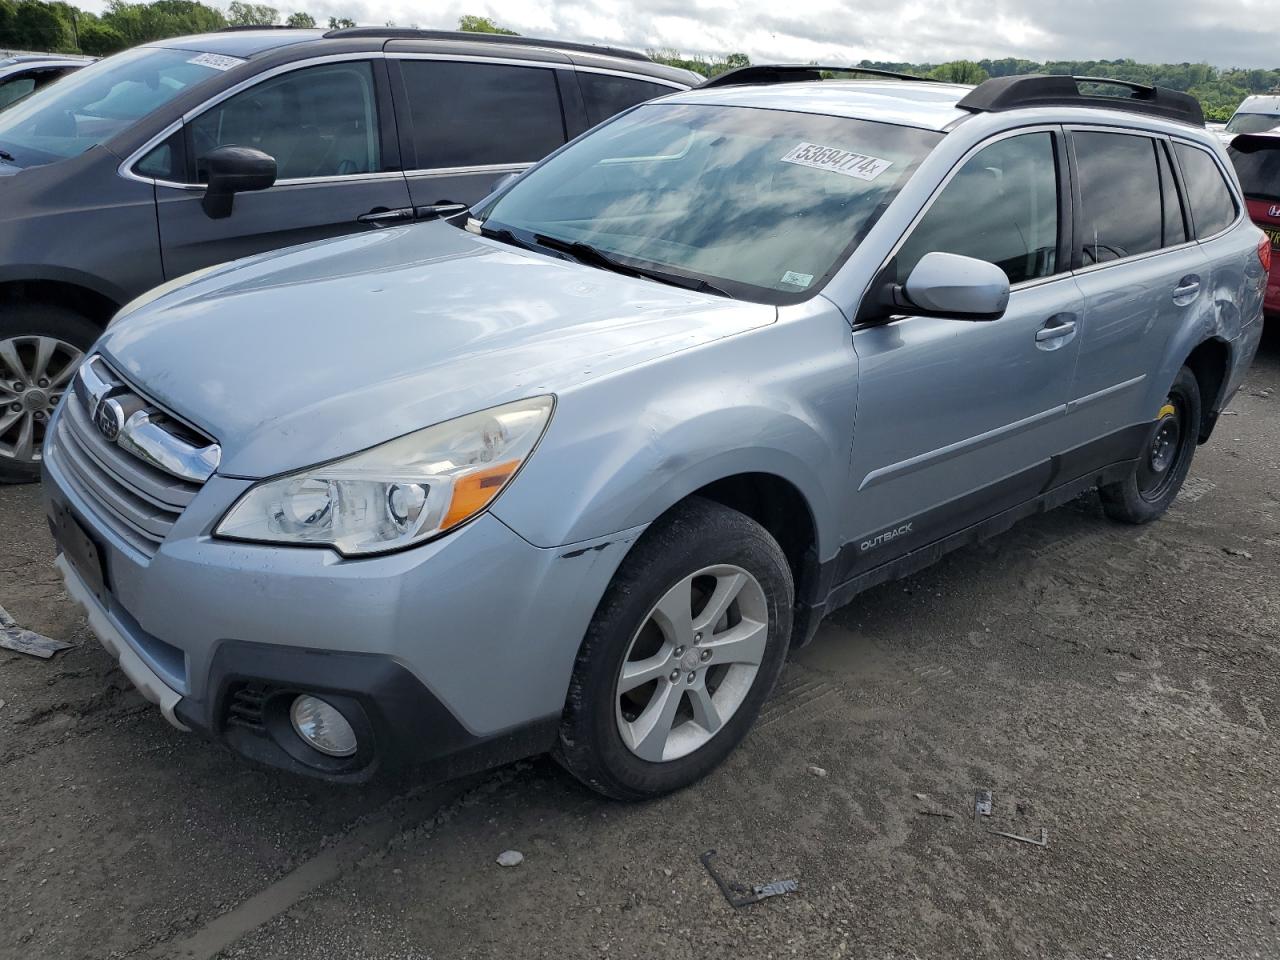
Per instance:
{"type": "Point", "coordinates": [1166, 411]}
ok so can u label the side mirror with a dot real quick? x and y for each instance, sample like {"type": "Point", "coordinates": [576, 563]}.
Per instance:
{"type": "Point", "coordinates": [948, 285]}
{"type": "Point", "coordinates": [234, 170]}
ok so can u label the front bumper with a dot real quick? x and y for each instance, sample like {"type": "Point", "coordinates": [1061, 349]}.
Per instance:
{"type": "Point", "coordinates": [457, 652]}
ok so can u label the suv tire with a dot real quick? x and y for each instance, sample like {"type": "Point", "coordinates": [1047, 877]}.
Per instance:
{"type": "Point", "coordinates": [705, 551]}
{"type": "Point", "coordinates": [1164, 461]}
{"type": "Point", "coordinates": [22, 331]}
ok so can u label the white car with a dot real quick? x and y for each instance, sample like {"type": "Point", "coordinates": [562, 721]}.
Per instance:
{"type": "Point", "coordinates": [24, 74]}
{"type": "Point", "coordinates": [1256, 114]}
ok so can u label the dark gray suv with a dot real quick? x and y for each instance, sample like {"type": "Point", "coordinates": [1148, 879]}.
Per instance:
{"type": "Point", "coordinates": [178, 155]}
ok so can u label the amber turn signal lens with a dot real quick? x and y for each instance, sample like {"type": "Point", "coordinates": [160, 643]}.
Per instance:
{"type": "Point", "coordinates": [472, 493]}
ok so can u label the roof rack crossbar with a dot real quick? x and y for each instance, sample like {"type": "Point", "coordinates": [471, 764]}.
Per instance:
{"type": "Point", "coordinates": [799, 72]}
{"type": "Point", "coordinates": [404, 33]}
{"type": "Point", "coordinates": [1043, 90]}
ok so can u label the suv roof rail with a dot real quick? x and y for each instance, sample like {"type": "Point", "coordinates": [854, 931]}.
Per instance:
{"type": "Point", "coordinates": [798, 73]}
{"type": "Point", "coordinates": [242, 27]}
{"type": "Point", "coordinates": [404, 33]}
{"type": "Point", "coordinates": [1043, 90]}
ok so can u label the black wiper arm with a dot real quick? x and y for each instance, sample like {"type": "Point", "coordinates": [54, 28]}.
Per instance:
{"type": "Point", "coordinates": [7, 156]}
{"type": "Point", "coordinates": [503, 235]}
{"type": "Point", "coordinates": [585, 253]}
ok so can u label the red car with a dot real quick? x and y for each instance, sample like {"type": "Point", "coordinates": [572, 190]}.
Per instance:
{"type": "Point", "coordinates": [1257, 160]}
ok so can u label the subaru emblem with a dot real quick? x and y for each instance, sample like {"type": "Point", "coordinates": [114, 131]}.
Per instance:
{"type": "Point", "coordinates": [109, 419]}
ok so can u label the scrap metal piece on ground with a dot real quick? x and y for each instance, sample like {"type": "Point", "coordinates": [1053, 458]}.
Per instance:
{"type": "Point", "coordinates": [982, 804]}
{"type": "Point", "coordinates": [937, 813]}
{"type": "Point", "coordinates": [13, 637]}
{"type": "Point", "coordinates": [740, 896]}
{"type": "Point", "coordinates": [1042, 842]}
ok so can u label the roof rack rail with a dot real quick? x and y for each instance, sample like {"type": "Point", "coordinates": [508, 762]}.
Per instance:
{"type": "Point", "coordinates": [403, 33]}
{"type": "Point", "coordinates": [1042, 90]}
{"type": "Point", "coordinates": [242, 27]}
{"type": "Point", "coordinates": [798, 73]}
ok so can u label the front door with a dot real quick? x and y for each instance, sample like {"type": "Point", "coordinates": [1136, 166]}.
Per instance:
{"type": "Point", "coordinates": [337, 167]}
{"type": "Point", "coordinates": [958, 420]}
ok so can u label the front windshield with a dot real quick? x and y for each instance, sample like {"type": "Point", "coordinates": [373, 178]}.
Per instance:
{"type": "Point", "coordinates": [1253, 122]}
{"type": "Point", "coordinates": [764, 204]}
{"type": "Point", "coordinates": [92, 105]}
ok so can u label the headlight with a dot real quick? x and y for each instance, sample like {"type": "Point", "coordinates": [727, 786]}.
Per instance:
{"type": "Point", "coordinates": [398, 493]}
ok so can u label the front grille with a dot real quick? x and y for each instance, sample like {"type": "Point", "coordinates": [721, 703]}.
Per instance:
{"type": "Point", "coordinates": [138, 499]}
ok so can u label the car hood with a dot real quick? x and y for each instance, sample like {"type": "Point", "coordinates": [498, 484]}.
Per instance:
{"type": "Point", "coordinates": [314, 352]}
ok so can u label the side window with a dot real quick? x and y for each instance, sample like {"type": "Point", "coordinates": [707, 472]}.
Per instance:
{"type": "Point", "coordinates": [606, 95]}
{"type": "Point", "coordinates": [1175, 228]}
{"type": "Point", "coordinates": [469, 114]}
{"type": "Point", "coordinates": [15, 88]}
{"type": "Point", "coordinates": [317, 122]}
{"type": "Point", "coordinates": [1001, 206]}
{"type": "Point", "coordinates": [166, 161]}
{"type": "Point", "coordinates": [1120, 199]}
{"type": "Point", "coordinates": [1212, 207]}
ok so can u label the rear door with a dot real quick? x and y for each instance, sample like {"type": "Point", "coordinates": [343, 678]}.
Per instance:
{"type": "Point", "coordinates": [328, 125]}
{"type": "Point", "coordinates": [1142, 276]}
{"type": "Point", "coordinates": [468, 122]}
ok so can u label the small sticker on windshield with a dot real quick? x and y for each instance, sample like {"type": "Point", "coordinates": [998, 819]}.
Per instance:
{"type": "Point", "coordinates": [216, 60]}
{"type": "Point", "coordinates": [797, 279]}
{"type": "Point", "coordinates": [844, 162]}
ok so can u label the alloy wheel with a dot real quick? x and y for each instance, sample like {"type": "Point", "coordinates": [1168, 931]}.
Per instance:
{"type": "Point", "coordinates": [34, 374]}
{"type": "Point", "coordinates": [692, 663]}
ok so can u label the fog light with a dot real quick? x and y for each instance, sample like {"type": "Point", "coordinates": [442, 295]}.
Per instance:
{"type": "Point", "coordinates": [322, 726]}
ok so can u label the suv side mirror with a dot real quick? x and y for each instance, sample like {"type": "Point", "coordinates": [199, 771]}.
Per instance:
{"type": "Point", "coordinates": [948, 285]}
{"type": "Point", "coordinates": [234, 170]}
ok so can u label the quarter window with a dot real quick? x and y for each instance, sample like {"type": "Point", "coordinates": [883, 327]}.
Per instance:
{"type": "Point", "coordinates": [316, 122]}
{"type": "Point", "coordinates": [606, 95]}
{"type": "Point", "coordinates": [1121, 212]}
{"type": "Point", "coordinates": [474, 114]}
{"type": "Point", "coordinates": [1212, 207]}
{"type": "Point", "coordinates": [1175, 228]}
{"type": "Point", "coordinates": [1002, 207]}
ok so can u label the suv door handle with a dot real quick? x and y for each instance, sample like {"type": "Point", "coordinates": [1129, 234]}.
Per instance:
{"type": "Point", "coordinates": [1186, 289]}
{"type": "Point", "coordinates": [1056, 332]}
{"type": "Point", "coordinates": [438, 210]}
{"type": "Point", "coordinates": [381, 218]}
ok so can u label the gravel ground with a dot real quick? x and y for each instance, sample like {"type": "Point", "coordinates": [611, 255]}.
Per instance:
{"type": "Point", "coordinates": [1112, 686]}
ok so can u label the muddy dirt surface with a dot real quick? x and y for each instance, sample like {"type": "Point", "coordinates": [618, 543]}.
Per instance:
{"type": "Point", "coordinates": [1112, 686]}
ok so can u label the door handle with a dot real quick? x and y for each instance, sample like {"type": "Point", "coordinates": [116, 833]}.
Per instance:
{"type": "Point", "coordinates": [438, 210]}
{"type": "Point", "coordinates": [1186, 289]}
{"type": "Point", "coordinates": [382, 218]}
{"type": "Point", "coordinates": [1056, 328]}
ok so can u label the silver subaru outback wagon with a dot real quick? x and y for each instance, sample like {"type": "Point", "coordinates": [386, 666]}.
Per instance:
{"type": "Point", "coordinates": [575, 474]}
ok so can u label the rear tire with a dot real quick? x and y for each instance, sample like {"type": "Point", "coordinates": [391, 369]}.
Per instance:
{"type": "Point", "coordinates": [1165, 459]}
{"type": "Point", "coordinates": [701, 561]}
{"type": "Point", "coordinates": [40, 347]}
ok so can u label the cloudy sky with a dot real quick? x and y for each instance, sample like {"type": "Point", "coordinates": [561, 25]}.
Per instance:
{"type": "Point", "coordinates": [1224, 33]}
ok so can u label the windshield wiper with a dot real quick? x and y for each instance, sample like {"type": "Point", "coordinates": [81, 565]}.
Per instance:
{"type": "Point", "coordinates": [8, 157]}
{"type": "Point", "coordinates": [587, 254]}
{"type": "Point", "coordinates": [503, 235]}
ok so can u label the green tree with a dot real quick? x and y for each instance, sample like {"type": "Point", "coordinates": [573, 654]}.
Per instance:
{"type": "Point", "coordinates": [301, 20]}
{"type": "Point", "coordinates": [31, 25]}
{"type": "Point", "coordinates": [340, 23]}
{"type": "Point", "coordinates": [468, 23]}
{"type": "Point", "coordinates": [241, 14]}
{"type": "Point", "coordinates": [98, 39]}
{"type": "Point", "coordinates": [959, 71]}
{"type": "Point", "coordinates": [142, 22]}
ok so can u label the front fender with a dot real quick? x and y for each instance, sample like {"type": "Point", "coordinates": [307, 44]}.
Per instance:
{"type": "Point", "coordinates": [622, 450]}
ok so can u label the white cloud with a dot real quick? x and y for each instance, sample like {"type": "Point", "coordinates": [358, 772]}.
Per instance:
{"type": "Point", "coordinates": [1226, 33]}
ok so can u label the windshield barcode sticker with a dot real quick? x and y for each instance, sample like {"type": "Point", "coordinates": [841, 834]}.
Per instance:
{"type": "Point", "coordinates": [797, 279]}
{"type": "Point", "coordinates": [844, 162]}
{"type": "Point", "coordinates": [216, 60]}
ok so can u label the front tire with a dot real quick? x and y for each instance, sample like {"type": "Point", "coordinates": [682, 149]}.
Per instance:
{"type": "Point", "coordinates": [683, 650]}
{"type": "Point", "coordinates": [1165, 459]}
{"type": "Point", "coordinates": [41, 345]}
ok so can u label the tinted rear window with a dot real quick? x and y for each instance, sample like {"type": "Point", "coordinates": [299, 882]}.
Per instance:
{"type": "Point", "coordinates": [1258, 165]}
{"type": "Point", "coordinates": [1120, 196]}
{"type": "Point", "coordinates": [478, 114]}
{"type": "Point", "coordinates": [1212, 208]}
{"type": "Point", "coordinates": [606, 95]}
